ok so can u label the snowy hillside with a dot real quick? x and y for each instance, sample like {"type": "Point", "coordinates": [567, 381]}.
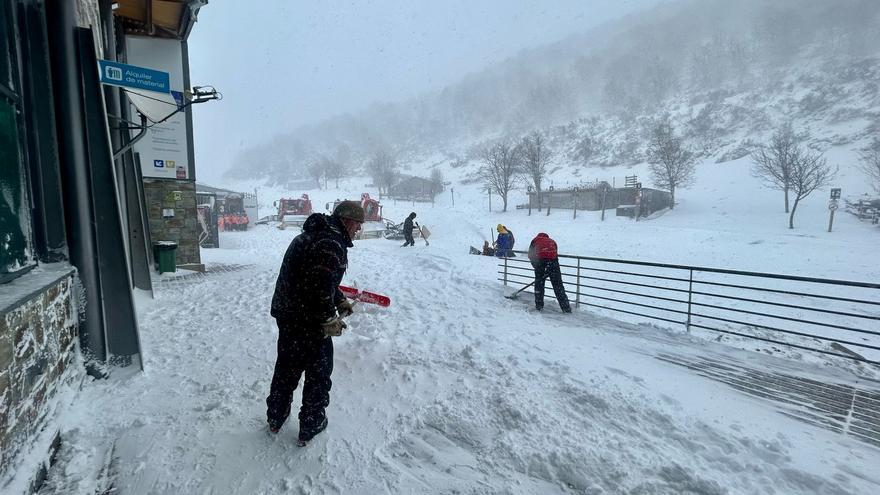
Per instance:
{"type": "Point", "coordinates": [730, 75]}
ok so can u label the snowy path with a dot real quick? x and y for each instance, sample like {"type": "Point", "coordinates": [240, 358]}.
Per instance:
{"type": "Point", "coordinates": [453, 389]}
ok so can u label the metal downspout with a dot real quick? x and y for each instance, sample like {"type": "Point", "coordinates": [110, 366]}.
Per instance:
{"type": "Point", "coordinates": [79, 215]}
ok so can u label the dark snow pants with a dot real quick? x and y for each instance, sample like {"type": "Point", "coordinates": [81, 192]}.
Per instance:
{"type": "Point", "coordinates": [300, 350]}
{"type": "Point", "coordinates": [407, 234]}
{"type": "Point", "coordinates": [549, 269]}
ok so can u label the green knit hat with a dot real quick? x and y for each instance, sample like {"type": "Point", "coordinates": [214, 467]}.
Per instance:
{"type": "Point", "coordinates": [349, 209]}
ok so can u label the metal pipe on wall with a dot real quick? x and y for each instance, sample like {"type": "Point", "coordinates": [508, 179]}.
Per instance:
{"type": "Point", "coordinates": [73, 157]}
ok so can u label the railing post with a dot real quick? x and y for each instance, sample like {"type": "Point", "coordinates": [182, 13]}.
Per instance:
{"type": "Point", "coordinates": [505, 271]}
{"type": "Point", "coordinates": [690, 294]}
{"type": "Point", "coordinates": [577, 297]}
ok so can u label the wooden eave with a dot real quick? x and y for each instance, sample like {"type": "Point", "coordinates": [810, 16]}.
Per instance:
{"type": "Point", "coordinates": [159, 18]}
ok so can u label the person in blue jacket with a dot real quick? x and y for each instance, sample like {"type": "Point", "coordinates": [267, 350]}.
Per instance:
{"type": "Point", "coordinates": [504, 243]}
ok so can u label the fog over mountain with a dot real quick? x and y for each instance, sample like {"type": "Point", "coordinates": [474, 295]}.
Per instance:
{"type": "Point", "coordinates": [726, 73]}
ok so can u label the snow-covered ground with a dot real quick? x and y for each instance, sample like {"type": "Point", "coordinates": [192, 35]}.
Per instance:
{"type": "Point", "coordinates": [455, 389]}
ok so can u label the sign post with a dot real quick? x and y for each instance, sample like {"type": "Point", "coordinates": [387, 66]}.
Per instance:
{"type": "Point", "coordinates": [638, 200]}
{"type": "Point", "coordinates": [529, 190]}
{"type": "Point", "coordinates": [832, 206]}
{"type": "Point", "coordinates": [604, 191]}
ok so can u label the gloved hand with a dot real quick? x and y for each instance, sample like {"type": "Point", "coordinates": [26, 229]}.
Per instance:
{"type": "Point", "coordinates": [333, 327]}
{"type": "Point", "coordinates": [345, 308]}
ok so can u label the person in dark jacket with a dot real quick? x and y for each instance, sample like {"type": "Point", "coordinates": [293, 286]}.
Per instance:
{"type": "Point", "coordinates": [308, 308]}
{"type": "Point", "coordinates": [408, 230]}
{"type": "Point", "coordinates": [545, 261]}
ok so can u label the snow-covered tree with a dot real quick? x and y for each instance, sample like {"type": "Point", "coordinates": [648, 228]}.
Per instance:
{"type": "Point", "coordinates": [809, 171]}
{"type": "Point", "coordinates": [436, 182]}
{"type": "Point", "coordinates": [671, 164]}
{"type": "Point", "coordinates": [870, 163]}
{"type": "Point", "coordinates": [773, 163]}
{"type": "Point", "coordinates": [382, 167]}
{"type": "Point", "coordinates": [501, 164]}
{"type": "Point", "coordinates": [584, 149]}
{"type": "Point", "coordinates": [316, 170]}
{"type": "Point", "coordinates": [334, 169]}
{"type": "Point", "coordinates": [535, 157]}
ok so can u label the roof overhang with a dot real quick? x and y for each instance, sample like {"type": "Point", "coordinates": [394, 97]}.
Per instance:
{"type": "Point", "coordinates": [159, 18]}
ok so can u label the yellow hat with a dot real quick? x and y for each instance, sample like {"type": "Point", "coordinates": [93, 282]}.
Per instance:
{"type": "Point", "coordinates": [500, 228]}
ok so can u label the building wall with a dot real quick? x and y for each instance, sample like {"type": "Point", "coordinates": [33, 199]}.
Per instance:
{"type": "Point", "coordinates": [591, 199]}
{"type": "Point", "coordinates": [40, 360]}
{"type": "Point", "coordinates": [39, 356]}
{"type": "Point", "coordinates": [587, 199]}
{"type": "Point", "coordinates": [183, 227]}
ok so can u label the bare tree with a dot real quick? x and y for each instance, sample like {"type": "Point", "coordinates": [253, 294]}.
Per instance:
{"type": "Point", "coordinates": [501, 163]}
{"type": "Point", "coordinates": [382, 167]}
{"type": "Point", "coordinates": [809, 171]}
{"type": "Point", "coordinates": [870, 159]}
{"type": "Point", "coordinates": [535, 157]}
{"type": "Point", "coordinates": [334, 169]}
{"type": "Point", "coordinates": [316, 170]}
{"type": "Point", "coordinates": [338, 166]}
{"type": "Point", "coordinates": [671, 164]}
{"type": "Point", "coordinates": [773, 162]}
{"type": "Point", "coordinates": [436, 182]}
{"type": "Point", "coordinates": [584, 148]}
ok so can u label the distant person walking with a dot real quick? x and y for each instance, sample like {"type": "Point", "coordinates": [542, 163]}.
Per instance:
{"type": "Point", "coordinates": [408, 230]}
{"type": "Point", "coordinates": [308, 308]}
{"type": "Point", "coordinates": [545, 261]}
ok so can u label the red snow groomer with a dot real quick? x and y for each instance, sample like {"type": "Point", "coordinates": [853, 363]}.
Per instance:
{"type": "Point", "coordinates": [372, 208]}
{"type": "Point", "coordinates": [373, 226]}
{"type": "Point", "coordinates": [293, 212]}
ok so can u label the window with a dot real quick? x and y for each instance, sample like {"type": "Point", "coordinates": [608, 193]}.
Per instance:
{"type": "Point", "coordinates": [15, 227]}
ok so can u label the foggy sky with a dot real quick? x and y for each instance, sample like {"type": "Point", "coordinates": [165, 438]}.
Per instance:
{"type": "Point", "coordinates": [281, 64]}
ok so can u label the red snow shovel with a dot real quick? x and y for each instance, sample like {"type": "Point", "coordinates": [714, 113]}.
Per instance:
{"type": "Point", "coordinates": [365, 296]}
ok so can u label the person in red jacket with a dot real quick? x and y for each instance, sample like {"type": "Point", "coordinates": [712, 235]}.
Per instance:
{"type": "Point", "coordinates": [545, 261]}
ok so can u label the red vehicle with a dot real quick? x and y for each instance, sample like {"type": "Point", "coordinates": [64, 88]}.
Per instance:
{"type": "Point", "coordinates": [293, 211]}
{"type": "Point", "coordinates": [372, 208]}
{"type": "Point", "coordinates": [373, 225]}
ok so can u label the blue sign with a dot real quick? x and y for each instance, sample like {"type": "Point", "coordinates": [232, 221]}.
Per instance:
{"type": "Point", "coordinates": [131, 76]}
{"type": "Point", "coordinates": [159, 163]}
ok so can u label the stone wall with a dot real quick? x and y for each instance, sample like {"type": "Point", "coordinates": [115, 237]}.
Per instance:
{"type": "Point", "coordinates": [183, 227]}
{"type": "Point", "coordinates": [38, 356]}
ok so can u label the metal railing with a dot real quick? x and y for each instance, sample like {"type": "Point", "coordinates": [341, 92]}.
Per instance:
{"type": "Point", "coordinates": [833, 317]}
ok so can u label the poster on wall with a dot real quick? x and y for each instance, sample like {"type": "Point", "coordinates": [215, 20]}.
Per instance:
{"type": "Point", "coordinates": [164, 150]}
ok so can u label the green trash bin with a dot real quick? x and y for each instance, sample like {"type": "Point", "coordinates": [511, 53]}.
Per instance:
{"type": "Point", "coordinates": [164, 253]}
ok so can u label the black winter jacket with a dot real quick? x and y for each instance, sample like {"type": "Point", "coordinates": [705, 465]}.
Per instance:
{"type": "Point", "coordinates": [408, 225]}
{"type": "Point", "coordinates": [307, 289]}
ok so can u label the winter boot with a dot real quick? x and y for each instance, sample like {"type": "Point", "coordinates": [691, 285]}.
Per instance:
{"type": "Point", "coordinates": [275, 425]}
{"type": "Point", "coordinates": [307, 435]}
